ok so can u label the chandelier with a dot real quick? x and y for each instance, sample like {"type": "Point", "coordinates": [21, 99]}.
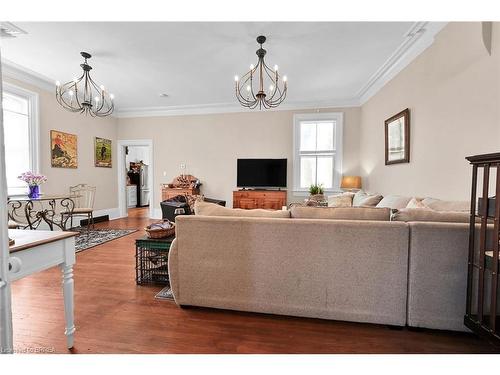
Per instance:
{"type": "Point", "coordinates": [265, 77]}
{"type": "Point", "coordinates": [83, 95]}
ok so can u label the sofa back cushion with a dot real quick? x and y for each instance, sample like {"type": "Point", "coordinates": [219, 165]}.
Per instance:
{"type": "Point", "coordinates": [341, 213]}
{"type": "Point", "coordinates": [396, 202]}
{"type": "Point", "coordinates": [443, 205]}
{"type": "Point", "coordinates": [212, 209]}
{"type": "Point", "coordinates": [362, 198]}
{"type": "Point", "coordinates": [426, 214]}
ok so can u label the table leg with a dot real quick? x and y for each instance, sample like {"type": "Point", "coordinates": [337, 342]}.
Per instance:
{"type": "Point", "coordinates": [67, 270]}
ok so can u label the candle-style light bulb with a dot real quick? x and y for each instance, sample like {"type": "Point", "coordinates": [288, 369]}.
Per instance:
{"type": "Point", "coordinates": [252, 66]}
{"type": "Point", "coordinates": [102, 87]}
{"type": "Point", "coordinates": [248, 88]}
{"type": "Point", "coordinates": [285, 79]}
{"type": "Point", "coordinates": [271, 88]}
{"type": "Point", "coordinates": [70, 92]}
{"type": "Point", "coordinates": [58, 83]}
{"type": "Point", "coordinates": [236, 78]}
{"type": "Point", "coordinates": [276, 68]}
{"type": "Point", "coordinates": [111, 96]}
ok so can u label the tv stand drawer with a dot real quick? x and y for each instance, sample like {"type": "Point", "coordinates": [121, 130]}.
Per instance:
{"type": "Point", "coordinates": [267, 199]}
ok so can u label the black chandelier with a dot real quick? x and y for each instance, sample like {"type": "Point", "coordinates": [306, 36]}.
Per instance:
{"type": "Point", "coordinates": [83, 95]}
{"type": "Point", "coordinates": [271, 98]}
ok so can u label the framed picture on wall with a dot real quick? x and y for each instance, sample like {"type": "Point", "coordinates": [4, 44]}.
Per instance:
{"type": "Point", "coordinates": [102, 152]}
{"type": "Point", "coordinates": [397, 138]}
{"type": "Point", "coordinates": [63, 149]}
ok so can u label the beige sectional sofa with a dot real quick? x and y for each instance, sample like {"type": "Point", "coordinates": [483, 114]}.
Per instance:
{"type": "Point", "coordinates": [371, 270]}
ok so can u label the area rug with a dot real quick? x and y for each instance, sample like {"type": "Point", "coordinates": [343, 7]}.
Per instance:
{"type": "Point", "coordinates": [96, 237]}
{"type": "Point", "coordinates": [165, 293]}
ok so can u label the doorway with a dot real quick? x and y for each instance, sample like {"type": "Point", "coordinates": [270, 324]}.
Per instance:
{"type": "Point", "coordinates": [135, 176]}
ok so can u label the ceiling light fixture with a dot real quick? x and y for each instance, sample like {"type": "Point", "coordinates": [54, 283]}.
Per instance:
{"type": "Point", "coordinates": [266, 78]}
{"type": "Point", "coordinates": [83, 95]}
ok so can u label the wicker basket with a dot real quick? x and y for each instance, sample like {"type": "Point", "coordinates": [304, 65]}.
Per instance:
{"type": "Point", "coordinates": [156, 231]}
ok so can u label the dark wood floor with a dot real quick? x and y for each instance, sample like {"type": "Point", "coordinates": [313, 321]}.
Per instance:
{"type": "Point", "coordinates": [113, 315]}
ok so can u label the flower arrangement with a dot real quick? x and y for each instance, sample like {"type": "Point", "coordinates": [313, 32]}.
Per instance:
{"type": "Point", "coordinates": [32, 179]}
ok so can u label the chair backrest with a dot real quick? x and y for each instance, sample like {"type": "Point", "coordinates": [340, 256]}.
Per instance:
{"type": "Point", "coordinates": [83, 195]}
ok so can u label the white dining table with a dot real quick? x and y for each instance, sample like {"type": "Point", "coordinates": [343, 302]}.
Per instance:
{"type": "Point", "coordinates": [37, 250]}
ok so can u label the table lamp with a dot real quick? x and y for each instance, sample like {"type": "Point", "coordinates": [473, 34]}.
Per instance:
{"type": "Point", "coordinates": [351, 183]}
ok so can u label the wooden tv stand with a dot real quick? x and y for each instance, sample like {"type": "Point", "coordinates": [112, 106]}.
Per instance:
{"type": "Point", "coordinates": [268, 199]}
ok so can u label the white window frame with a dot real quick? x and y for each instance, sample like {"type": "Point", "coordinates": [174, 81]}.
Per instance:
{"type": "Point", "coordinates": [33, 122]}
{"type": "Point", "coordinates": [338, 117]}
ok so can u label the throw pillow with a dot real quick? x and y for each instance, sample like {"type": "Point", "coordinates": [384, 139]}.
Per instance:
{"type": "Point", "coordinates": [212, 209]}
{"type": "Point", "coordinates": [362, 198]}
{"type": "Point", "coordinates": [396, 202]}
{"type": "Point", "coordinates": [191, 199]}
{"type": "Point", "coordinates": [340, 200]}
{"type": "Point", "coordinates": [415, 203]}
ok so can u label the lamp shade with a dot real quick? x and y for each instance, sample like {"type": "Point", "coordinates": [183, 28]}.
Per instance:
{"type": "Point", "coordinates": [350, 182]}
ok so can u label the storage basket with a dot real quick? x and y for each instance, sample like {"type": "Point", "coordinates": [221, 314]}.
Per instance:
{"type": "Point", "coordinates": [156, 230]}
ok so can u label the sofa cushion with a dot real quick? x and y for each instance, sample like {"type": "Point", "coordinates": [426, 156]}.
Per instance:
{"type": "Point", "coordinates": [211, 209]}
{"type": "Point", "coordinates": [394, 201]}
{"type": "Point", "coordinates": [426, 214]}
{"type": "Point", "coordinates": [443, 205]}
{"type": "Point", "coordinates": [341, 213]}
{"type": "Point", "coordinates": [362, 198]}
{"type": "Point", "coordinates": [340, 200]}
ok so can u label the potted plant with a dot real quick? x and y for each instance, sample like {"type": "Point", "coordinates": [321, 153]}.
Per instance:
{"type": "Point", "coordinates": [316, 192]}
{"type": "Point", "coordinates": [34, 181]}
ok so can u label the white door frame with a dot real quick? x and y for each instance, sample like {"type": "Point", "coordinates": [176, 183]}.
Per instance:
{"type": "Point", "coordinates": [122, 177]}
{"type": "Point", "coordinates": [6, 340]}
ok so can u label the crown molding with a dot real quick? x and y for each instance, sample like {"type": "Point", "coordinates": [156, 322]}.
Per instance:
{"type": "Point", "coordinates": [204, 109]}
{"type": "Point", "coordinates": [20, 73]}
{"type": "Point", "coordinates": [417, 39]}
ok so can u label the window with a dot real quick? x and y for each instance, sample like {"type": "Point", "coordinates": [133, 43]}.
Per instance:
{"type": "Point", "coordinates": [317, 151]}
{"type": "Point", "coordinates": [20, 121]}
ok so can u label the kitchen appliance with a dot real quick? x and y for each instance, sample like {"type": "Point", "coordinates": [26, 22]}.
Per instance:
{"type": "Point", "coordinates": [138, 175]}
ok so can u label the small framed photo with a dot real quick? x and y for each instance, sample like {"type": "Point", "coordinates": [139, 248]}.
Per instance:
{"type": "Point", "coordinates": [102, 152]}
{"type": "Point", "coordinates": [397, 138]}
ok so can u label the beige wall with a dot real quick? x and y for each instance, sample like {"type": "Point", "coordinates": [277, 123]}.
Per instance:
{"type": "Point", "coordinates": [54, 117]}
{"type": "Point", "coordinates": [210, 144]}
{"type": "Point", "coordinates": [452, 90]}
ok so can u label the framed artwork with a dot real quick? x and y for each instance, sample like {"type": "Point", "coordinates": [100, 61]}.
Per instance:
{"type": "Point", "coordinates": [397, 138]}
{"type": "Point", "coordinates": [63, 150]}
{"type": "Point", "coordinates": [102, 152]}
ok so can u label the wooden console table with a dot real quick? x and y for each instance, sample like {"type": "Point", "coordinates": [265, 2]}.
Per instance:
{"type": "Point", "coordinates": [37, 250]}
{"type": "Point", "coordinates": [267, 199]}
{"type": "Point", "coordinates": [168, 192]}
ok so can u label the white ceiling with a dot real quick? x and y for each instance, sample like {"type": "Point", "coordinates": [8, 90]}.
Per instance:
{"type": "Point", "coordinates": [194, 63]}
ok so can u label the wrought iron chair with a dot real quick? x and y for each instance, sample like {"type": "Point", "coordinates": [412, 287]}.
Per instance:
{"type": "Point", "coordinates": [83, 195]}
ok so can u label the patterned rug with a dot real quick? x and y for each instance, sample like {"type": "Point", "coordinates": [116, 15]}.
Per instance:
{"type": "Point", "coordinates": [165, 293]}
{"type": "Point", "coordinates": [96, 237]}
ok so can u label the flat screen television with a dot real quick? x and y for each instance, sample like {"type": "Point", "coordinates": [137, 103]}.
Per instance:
{"type": "Point", "coordinates": [261, 173]}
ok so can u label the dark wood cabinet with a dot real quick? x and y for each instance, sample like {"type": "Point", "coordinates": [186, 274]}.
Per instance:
{"type": "Point", "coordinates": [267, 199]}
{"type": "Point", "coordinates": [482, 310]}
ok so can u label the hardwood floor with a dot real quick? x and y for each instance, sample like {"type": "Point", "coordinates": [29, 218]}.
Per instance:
{"type": "Point", "coordinates": [113, 315]}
